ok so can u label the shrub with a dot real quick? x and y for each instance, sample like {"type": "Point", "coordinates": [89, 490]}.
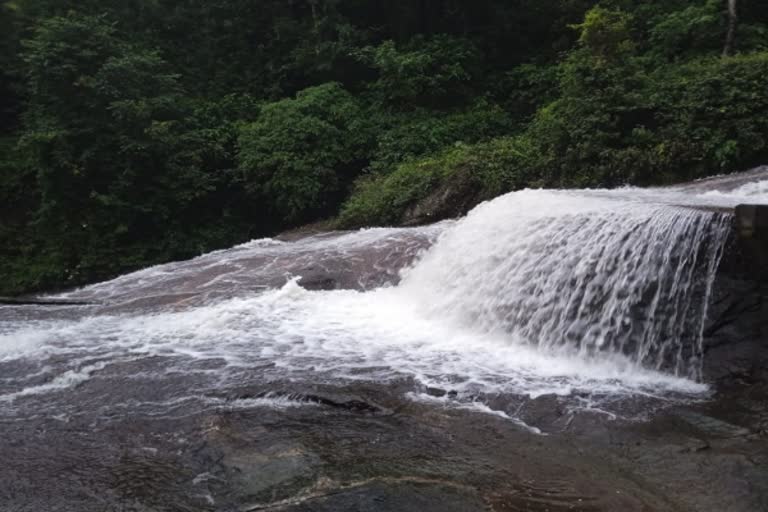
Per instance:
{"type": "Point", "coordinates": [424, 132]}
{"type": "Point", "coordinates": [488, 169]}
{"type": "Point", "coordinates": [428, 71]}
{"type": "Point", "coordinates": [296, 154]}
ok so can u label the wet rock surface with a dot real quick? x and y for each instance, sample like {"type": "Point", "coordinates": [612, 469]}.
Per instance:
{"type": "Point", "coordinates": [736, 335]}
{"type": "Point", "coordinates": [363, 447]}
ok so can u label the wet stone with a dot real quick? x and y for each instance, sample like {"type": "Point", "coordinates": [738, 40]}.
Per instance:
{"type": "Point", "coordinates": [711, 426]}
{"type": "Point", "coordinates": [378, 496]}
{"type": "Point", "coordinates": [275, 471]}
{"type": "Point", "coordinates": [436, 392]}
{"type": "Point", "coordinates": [318, 282]}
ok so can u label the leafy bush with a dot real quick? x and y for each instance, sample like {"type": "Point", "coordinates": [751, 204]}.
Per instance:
{"type": "Point", "coordinates": [424, 132]}
{"type": "Point", "coordinates": [296, 154]}
{"type": "Point", "coordinates": [524, 89]}
{"type": "Point", "coordinates": [382, 199]}
{"type": "Point", "coordinates": [606, 33]}
{"type": "Point", "coordinates": [487, 169]}
{"type": "Point", "coordinates": [708, 115]}
{"type": "Point", "coordinates": [691, 29]}
{"type": "Point", "coordinates": [434, 71]}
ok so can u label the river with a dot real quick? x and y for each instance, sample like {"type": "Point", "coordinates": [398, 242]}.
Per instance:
{"type": "Point", "coordinates": [546, 352]}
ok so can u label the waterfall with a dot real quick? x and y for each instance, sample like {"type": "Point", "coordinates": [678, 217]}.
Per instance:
{"type": "Point", "coordinates": [579, 274]}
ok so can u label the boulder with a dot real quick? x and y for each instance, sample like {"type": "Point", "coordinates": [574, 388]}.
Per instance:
{"type": "Point", "coordinates": [453, 197]}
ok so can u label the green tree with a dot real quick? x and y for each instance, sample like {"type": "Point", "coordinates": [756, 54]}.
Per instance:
{"type": "Point", "coordinates": [301, 152]}
{"type": "Point", "coordinates": [105, 132]}
{"type": "Point", "coordinates": [430, 72]}
{"type": "Point", "coordinates": [606, 33]}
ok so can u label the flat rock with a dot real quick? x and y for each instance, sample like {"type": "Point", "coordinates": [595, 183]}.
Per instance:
{"type": "Point", "coordinates": [710, 426]}
{"type": "Point", "coordinates": [384, 496]}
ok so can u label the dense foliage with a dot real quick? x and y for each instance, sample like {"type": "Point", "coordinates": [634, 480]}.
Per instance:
{"type": "Point", "coordinates": [141, 131]}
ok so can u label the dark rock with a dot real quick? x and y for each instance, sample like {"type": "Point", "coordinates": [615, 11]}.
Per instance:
{"type": "Point", "coordinates": [545, 412]}
{"type": "Point", "coordinates": [751, 225]}
{"type": "Point", "coordinates": [436, 392]}
{"type": "Point", "coordinates": [736, 335]}
{"type": "Point", "coordinates": [278, 467]}
{"type": "Point", "coordinates": [454, 197]}
{"type": "Point", "coordinates": [31, 301]}
{"type": "Point", "coordinates": [384, 496]}
{"type": "Point", "coordinates": [307, 230]}
{"type": "Point", "coordinates": [347, 403]}
{"type": "Point", "coordinates": [318, 282]}
{"type": "Point", "coordinates": [709, 426]}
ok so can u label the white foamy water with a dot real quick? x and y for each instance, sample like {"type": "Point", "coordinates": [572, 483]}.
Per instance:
{"type": "Point", "coordinates": [536, 292]}
{"type": "Point", "coordinates": [68, 379]}
{"type": "Point", "coordinates": [698, 194]}
{"type": "Point", "coordinates": [749, 193]}
{"type": "Point", "coordinates": [585, 276]}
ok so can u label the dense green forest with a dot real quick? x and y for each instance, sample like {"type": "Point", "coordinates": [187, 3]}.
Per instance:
{"type": "Point", "coordinates": [134, 132]}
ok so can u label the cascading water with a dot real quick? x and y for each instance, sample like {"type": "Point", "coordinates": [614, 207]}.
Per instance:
{"type": "Point", "coordinates": [602, 293]}
{"type": "Point", "coordinates": [575, 275]}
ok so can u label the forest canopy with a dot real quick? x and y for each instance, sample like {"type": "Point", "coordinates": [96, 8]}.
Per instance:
{"type": "Point", "coordinates": [135, 132]}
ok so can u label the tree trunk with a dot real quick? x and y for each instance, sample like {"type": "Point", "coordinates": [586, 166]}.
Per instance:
{"type": "Point", "coordinates": [733, 20]}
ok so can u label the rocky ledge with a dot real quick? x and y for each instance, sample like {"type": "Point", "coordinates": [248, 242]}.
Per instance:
{"type": "Point", "coordinates": [736, 337]}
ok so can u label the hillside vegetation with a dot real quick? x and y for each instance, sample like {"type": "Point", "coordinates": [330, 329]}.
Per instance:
{"type": "Point", "coordinates": [134, 132]}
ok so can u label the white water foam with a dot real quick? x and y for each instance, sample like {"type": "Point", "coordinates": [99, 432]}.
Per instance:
{"type": "Point", "coordinates": [749, 193]}
{"type": "Point", "coordinates": [376, 335]}
{"type": "Point", "coordinates": [22, 342]}
{"type": "Point", "coordinates": [68, 379]}
{"type": "Point", "coordinates": [574, 274]}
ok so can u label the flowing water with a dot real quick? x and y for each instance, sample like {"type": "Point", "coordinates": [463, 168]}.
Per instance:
{"type": "Point", "coordinates": [598, 294]}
